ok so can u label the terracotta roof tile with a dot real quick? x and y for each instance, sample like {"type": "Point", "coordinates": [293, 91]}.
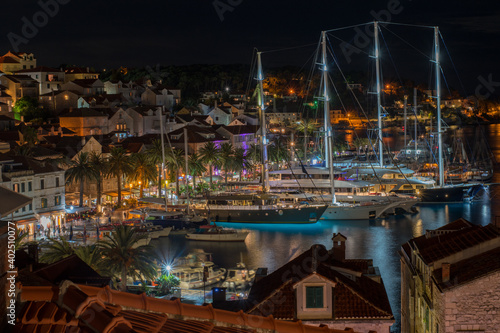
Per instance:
{"type": "Point", "coordinates": [470, 269]}
{"type": "Point", "coordinates": [359, 298]}
{"type": "Point", "coordinates": [435, 246]}
{"type": "Point", "coordinates": [84, 309]}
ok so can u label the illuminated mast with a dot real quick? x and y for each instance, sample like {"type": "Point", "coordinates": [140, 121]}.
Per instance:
{"type": "Point", "coordinates": [438, 107]}
{"type": "Point", "coordinates": [379, 101]}
{"type": "Point", "coordinates": [328, 123]}
{"type": "Point", "coordinates": [263, 127]}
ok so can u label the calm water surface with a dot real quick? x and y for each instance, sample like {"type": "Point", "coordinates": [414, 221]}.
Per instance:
{"type": "Point", "coordinates": [273, 245]}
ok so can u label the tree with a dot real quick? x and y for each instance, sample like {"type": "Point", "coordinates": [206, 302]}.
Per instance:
{"type": "Point", "coordinates": [227, 156]}
{"type": "Point", "coordinates": [196, 167]}
{"type": "Point", "coordinates": [167, 282]}
{"type": "Point", "coordinates": [92, 256]}
{"type": "Point", "coordinates": [28, 108]}
{"type": "Point", "coordinates": [80, 170]}
{"type": "Point", "coordinates": [119, 165]}
{"type": "Point", "coordinates": [122, 253]}
{"type": "Point", "coordinates": [30, 137]}
{"type": "Point", "coordinates": [56, 250]}
{"type": "Point", "coordinates": [239, 161]}
{"type": "Point", "coordinates": [155, 153]}
{"type": "Point", "coordinates": [253, 157]}
{"type": "Point", "coordinates": [175, 158]}
{"type": "Point", "coordinates": [100, 166]}
{"type": "Point", "coordinates": [211, 155]}
{"type": "Point", "coordinates": [307, 127]}
{"type": "Point", "coordinates": [278, 152]}
{"type": "Point", "coordinates": [143, 170]}
{"type": "Point", "coordinates": [19, 239]}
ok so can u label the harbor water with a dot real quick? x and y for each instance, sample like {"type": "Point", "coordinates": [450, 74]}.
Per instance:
{"type": "Point", "coordinates": [274, 245]}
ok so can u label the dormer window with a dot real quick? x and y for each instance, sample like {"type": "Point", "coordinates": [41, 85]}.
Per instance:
{"type": "Point", "coordinates": [314, 297]}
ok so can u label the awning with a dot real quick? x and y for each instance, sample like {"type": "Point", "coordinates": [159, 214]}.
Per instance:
{"type": "Point", "coordinates": [159, 201]}
{"type": "Point", "coordinates": [12, 201]}
{"type": "Point", "coordinates": [115, 194]}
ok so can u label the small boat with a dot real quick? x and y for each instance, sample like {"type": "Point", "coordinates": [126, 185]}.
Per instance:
{"type": "Point", "coordinates": [239, 277]}
{"type": "Point", "coordinates": [191, 270]}
{"type": "Point", "coordinates": [154, 231]}
{"type": "Point", "coordinates": [218, 234]}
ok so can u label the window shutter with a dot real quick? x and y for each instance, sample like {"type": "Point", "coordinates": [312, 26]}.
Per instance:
{"type": "Point", "coordinates": [310, 297]}
{"type": "Point", "coordinates": [319, 297]}
{"type": "Point", "coordinates": [314, 297]}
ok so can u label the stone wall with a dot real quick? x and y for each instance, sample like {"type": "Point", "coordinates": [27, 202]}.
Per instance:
{"type": "Point", "coordinates": [472, 307]}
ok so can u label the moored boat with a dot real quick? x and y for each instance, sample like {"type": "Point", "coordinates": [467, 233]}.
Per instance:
{"type": "Point", "coordinates": [257, 208]}
{"type": "Point", "coordinates": [218, 234]}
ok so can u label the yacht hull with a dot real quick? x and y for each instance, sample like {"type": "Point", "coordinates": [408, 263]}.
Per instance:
{"type": "Point", "coordinates": [280, 215]}
{"type": "Point", "coordinates": [230, 237]}
{"type": "Point", "coordinates": [358, 212]}
{"type": "Point", "coordinates": [454, 193]}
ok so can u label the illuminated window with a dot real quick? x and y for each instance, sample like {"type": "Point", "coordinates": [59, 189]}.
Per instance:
{"type": "Point", "coordinates": [44, 203]}
{"type": "Point", "coordinates": [66, 97]}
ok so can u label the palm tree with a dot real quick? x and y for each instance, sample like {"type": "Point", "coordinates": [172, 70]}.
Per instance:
{"type": "Point", "coordinates": [100, 167]}
{"type": "Point", "coordinates": [80, 170]}
{"type": "Point", "coordinates": [92, 256]}
{"type": "Point", "coordinates": [30, 137]}
{"type": "Point", "coordinates": [196, 167]}
{"type": "Point", "coordinates": [155, 152]}
{"type": "Point", "coordinates": [18, 242]}
{"type": "Point", "coordinates": [239, 160]}
{"type": "Point", "coordinates": [278, 152]}
{"type": "Point", "coordinates": [56, 250]}
{"type": "Point", "coordinates": [143, 171]}
{"type": "Point", "coordinates": [119, 166]}
{"type": "Point", "coordinates": [175, 158]}
{"type": "Point", "coordinates": [210, 154]}
{"type": "Point", "coordinates": [253, 157]}
{"type": "Point", "coordinates": [307, 127]}
{"type": "Point", "coordinates": [122, 253]}
{"type": "Point", "coordinates": [227, 156]}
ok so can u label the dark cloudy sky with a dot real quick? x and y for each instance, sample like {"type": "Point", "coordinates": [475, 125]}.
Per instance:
{"type": "Point", "coordinates": [108, 34]}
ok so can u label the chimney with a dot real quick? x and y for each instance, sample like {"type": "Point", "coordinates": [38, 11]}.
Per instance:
{"type": "Point", "coordinates": [445, 268]}
{"type": "Point", "coordinates": [215, 104]}
{"type": "Point", "coordinates": [83, 141]}
{"type": "Point", "coordinates": [338, 249]}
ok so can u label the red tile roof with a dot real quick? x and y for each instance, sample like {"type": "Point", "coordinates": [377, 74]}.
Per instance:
{"type": "Point", "coordinates": [90, 309]}
{"type": "Point", "coordinates": [8, 60]}
{"type": "Point", "coordinates": [437, 245]}
{"type": "Point", "coordinates": [470, 269]}
{"type": "Point", "coordinates": [361, 298]}
{"type": "Point", "coordinates": [39, 69]}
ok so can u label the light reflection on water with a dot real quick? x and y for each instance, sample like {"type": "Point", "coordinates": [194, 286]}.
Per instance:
{"type": "Point", "coordinates": [274, 245]}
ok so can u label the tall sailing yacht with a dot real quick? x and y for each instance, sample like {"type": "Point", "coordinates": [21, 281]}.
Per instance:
{"type": "Point", "coordinates": [263, 207]}
{"type": "Point", "coordinates": [346, 211]}
{"type": "Point", "coordinates": [445, 193]}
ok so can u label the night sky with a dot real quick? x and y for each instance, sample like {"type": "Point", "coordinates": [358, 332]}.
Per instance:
{"type": "Point", "coordinates": [107, 34]}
